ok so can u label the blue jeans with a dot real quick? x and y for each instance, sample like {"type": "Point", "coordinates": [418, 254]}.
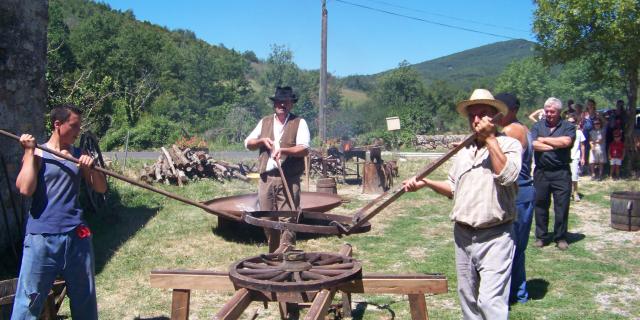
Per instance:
{"type": "Point", "coordinates": [521, 229]}
{"type": "Point", "coordinates": [47, 255]}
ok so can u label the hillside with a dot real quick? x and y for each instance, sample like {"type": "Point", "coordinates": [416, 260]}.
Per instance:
{"type": "Point", "coordinates": [464, 68]}
{"type": "Point", "coordinates": [461, 69]}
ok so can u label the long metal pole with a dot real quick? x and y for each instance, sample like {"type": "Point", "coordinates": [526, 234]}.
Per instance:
{"type": "Point", "coordinates": [323, 76]}
{"type": "Point", "coordinates": [134, 182]}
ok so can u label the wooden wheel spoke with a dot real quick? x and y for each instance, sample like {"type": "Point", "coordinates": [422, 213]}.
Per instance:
{"type": "Point", "coordinates": [270, 262]}
{"type": "Point", "coordinates": [308, 275]}
{"type": "Point", "coordinates": [281, 277]}
{"type": "Point", "coordinates": [327, 272]}
{"type": "Point", "coordinates": [253, 265]}
{"type": "Point", "coordinates": [266, 275]}
{"type": "Point", "coordinates": [256, 271]}
{"type": "Point", "coordinates": [311, 258]}
{"type": "Point", "coordinates": [297, 277]}
{"type": "Point", "coordinates": [331, 260]}
{"type": "Point", "coordinates": [347, 265]}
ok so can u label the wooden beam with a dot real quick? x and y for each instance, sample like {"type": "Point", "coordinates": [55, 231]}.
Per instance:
{"type": "Point", "coordinates": [418, 307]}
{"type": "Point", "coordinates": [180, 304]}
{"type": "Point", "coordinates": [400, 284]}
{"type": "Point", "coordinates": [234, 308]}
{"type": "Point", "coordinates": [370, 282]}
{"type": "Point", "coordinates": [320, 305]}
{"type": "Point", "coordinates": [192, 279]}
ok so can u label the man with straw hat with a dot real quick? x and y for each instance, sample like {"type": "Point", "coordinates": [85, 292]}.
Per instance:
{"type": "Point", "coordinates": [482, 185]}
{"type": "Point", "coordinates": [283, 141]}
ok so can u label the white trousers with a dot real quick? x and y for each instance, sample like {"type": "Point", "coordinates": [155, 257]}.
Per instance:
{"type": "Point", "coordinates": [483, 264]}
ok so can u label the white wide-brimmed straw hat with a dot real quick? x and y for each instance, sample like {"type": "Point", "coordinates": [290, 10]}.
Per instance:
{"type": "Point", "coordinates": [481, 96]}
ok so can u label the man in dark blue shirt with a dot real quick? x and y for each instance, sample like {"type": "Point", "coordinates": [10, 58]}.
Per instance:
{"type": "Point", "coordinates": [552, 142]}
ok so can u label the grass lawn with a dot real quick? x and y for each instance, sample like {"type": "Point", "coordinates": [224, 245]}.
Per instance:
{"type": "Point", "coordinates": [141, 231]}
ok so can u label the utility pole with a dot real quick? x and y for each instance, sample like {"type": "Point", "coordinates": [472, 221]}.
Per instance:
{"type": "Point", "coordinates": [322, 130]}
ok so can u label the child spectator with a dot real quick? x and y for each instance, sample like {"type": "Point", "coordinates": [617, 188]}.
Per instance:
{"type": "Point", "coordinates": [616, 154]}
{"type": "Point", "coordinates": [577, 157]}
{"type": "Point", "coordinates": [597, 155]}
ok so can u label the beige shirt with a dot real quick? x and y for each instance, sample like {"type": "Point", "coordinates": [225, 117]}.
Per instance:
{"type": "Point", "coordinates": [483, 199]}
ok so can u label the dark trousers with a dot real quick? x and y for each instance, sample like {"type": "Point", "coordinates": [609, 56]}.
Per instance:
{"type": "Point", "coordinates": [557, 183]}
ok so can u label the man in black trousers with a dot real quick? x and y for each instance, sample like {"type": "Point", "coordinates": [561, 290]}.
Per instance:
{"type": "Point", "coordinates": [552, 142]}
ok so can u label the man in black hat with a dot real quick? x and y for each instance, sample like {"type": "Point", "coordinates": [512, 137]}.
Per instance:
{"type": "Point", "coordinates": [282, 140]}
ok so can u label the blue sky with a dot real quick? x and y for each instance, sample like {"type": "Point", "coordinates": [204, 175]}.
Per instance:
{"type": "Point", "coordinates": [360, 40]}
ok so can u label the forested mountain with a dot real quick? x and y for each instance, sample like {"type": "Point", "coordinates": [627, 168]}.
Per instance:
{"type": "Point", "coordinates": [464, 70]}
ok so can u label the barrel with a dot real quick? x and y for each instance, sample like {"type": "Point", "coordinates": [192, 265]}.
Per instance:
{"type": "Point", "coordinates": [625, 210]}
{"type": "Point", "coordinates": [326, 185]}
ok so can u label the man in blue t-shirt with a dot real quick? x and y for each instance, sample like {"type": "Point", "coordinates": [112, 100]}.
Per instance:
{"type": "Point", "coordinates": [57, 240]}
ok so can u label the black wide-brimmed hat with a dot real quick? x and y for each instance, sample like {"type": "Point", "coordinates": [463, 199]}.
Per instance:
{"type": "Point", "coordinates": [284, 94]}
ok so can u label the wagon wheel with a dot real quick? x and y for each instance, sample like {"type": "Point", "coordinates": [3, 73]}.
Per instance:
{"type": "Point", "coordinates": [89, 144]}
{"type": "Point", "coordinates": [294, 271]}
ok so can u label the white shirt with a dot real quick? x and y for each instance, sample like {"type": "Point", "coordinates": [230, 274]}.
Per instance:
{"type": "Point", "coordinates": [575, 150]}
{"type": "Point", "coordinates": [303, 137]}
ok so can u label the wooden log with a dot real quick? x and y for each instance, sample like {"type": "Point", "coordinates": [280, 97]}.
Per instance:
{"type": "Point", "coordinates": [180, 304]}
{"type": "Point", "coordinates": [234, 308]}
{"type": "Point", "coordinates": [370, 283]}
{"type": "Point", "coordinates": [373, 178]}
{"type": "Point", "coordinates": [320, 305]}
{"type": "Point", "coordinates": [418, 307]}
{"type": "Point", "coordinates": [171, 165]}
{"type": "Point", "coordinates": [182, 160]}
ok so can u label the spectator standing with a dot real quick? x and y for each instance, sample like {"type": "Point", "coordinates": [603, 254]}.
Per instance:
{"type": "Point", "coordinates": [597, 155]}
{"type": "Point", "coordinates": [524, 200]}
{"type": "Point", "coordinates": [616, 154]}
{"type": "Point", "coordinates": [552, 142]}
{"type": "Point", "coordinates": [537, 115]}
{"type": "Point", "coordinates": [577, 158]}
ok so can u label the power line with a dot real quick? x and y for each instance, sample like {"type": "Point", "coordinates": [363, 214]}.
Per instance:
{"type": "Point", "coordinates": [448, 17]}
{"type": "Point", "coordinates": [425, 20]}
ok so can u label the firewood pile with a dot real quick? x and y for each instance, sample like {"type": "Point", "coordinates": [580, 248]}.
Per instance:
{"type": "Point", "coordinates": [333, 162]}
{"type": "Point", "coordinates": [177, 166]}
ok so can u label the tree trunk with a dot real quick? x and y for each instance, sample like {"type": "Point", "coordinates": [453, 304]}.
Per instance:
{"type": "Point", "coordinates": [631, 154]}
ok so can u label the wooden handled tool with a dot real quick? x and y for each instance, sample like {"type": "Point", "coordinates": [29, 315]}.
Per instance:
{"type": "Point", "coordinates": [134, 182]}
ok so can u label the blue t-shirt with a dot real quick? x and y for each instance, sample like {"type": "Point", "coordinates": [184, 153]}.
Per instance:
{"type": "Point", "coordinates": [55, 207]}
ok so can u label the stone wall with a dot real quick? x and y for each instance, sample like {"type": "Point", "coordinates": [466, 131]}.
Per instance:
{"type": "Point", "coordinates": [23, 92]}
{"type": "Point", "coordinates": [438, 142]}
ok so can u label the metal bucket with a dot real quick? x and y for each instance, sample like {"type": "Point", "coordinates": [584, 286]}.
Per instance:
{"type": "Point", "coordinates": [625, 210]}
{"type": "Point", "coordinates": [326, 185]}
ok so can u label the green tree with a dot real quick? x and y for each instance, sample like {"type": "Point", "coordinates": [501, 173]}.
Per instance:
{"type": "Point", "coordinates": [528, 79]}
{"type": "Point", "coordinates": [606, 33]}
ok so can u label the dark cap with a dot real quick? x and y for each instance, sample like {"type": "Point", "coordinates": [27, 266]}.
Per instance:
{"type": "Point", "coordinates": [509, 99]}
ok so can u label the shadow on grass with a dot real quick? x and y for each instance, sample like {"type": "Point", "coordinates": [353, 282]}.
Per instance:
{"type": "Point", "coordinates": [537, 288]}
{"type": "Point", "coordinates": [239, 232]}
{"type": "Point", "coordinates": [574, 237]}
{"type": "Point", "coordinates": [358, 312]}
{"type": "Point", "coordinates": [244, 233]}
{"type": "Point", "coordinates": [113, 225]}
